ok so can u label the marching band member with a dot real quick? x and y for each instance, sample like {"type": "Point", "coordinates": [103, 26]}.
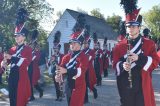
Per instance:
{"type": "Point", "coordinates": [90, 73]}
{"type": "Point", "coordinates": [56, 59]}
{"type": "Point", "coordinates": [146, 33]}
{"type": "Point", "coordinates": [122, 31]}
{"type": "Point", "coordinates": [75, 64]}
{"type": "Point", "coordinates": [98, 62]}
{"type": "Point", "coordinates": [106, 56]}
{"type": "Point", "coordinates": [34, 68]}
{"type": "Point", "coordinates": [19, 57]}
{"type": "Point", "coordinates": [134, 79]}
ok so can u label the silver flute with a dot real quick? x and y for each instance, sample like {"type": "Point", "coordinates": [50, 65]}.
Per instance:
{"type": "Point", "coordinates": [129, 61]}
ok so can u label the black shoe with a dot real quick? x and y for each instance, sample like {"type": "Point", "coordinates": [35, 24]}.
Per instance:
{"type": "Point", "coordinates": [95, 94]}
{"type": "Point", "coordinates": [41, 93]}
{"type": "Point", "coordinates": [105, 76]}
{"type": "Point", "coordinates": [86, 101]}
{"type": "Point", "coordinates": [32, 98]}
{"type": "Point", "coordinates": [57, 99]}
{"type": "Point", "coordinates": [97, 85]}
{"type": "Point", "coordinates": [60, 99]}
{"type": "Point", "coordinates": [42, 84]}
{"type": "Point", "coordinates": [63, 95]}
{"type": "Point", "coordinates": [100, 83]}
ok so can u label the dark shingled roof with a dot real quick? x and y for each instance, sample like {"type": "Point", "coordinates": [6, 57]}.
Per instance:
{"type": "Point", "coordinates": [96, 25]}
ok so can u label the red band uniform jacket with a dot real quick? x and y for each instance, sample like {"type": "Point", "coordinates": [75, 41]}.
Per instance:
{"type": "Point", "coordinates": [149, 61]}
{"type": "Point", "coordinates": [19, 83]}
{"type": "Point", "coordinates": [92, 75]}
{"type": "Point", "coordinates": [78, 85]}
{"type": "Point", "coordinates": [100, 58]}
{"type": "Point", "coordinates": [106, 55]}
{"type": "Point", "coordinates": [36, 70]}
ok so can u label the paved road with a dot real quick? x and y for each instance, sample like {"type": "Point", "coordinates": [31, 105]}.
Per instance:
{"type": "Point", "coordinates": [108, 95]}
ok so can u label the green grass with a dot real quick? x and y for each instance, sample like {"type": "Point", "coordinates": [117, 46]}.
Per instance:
{"type": "Point", "coordinates": [48, 79]}
{"type": "Point", "coordinates": [4, 85]}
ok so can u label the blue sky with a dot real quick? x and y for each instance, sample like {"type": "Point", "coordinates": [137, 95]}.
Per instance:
{"type": "Point", "coordinates": [107, 7]}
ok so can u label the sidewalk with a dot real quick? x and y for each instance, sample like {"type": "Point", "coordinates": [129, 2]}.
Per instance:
{"type": "Point", "coordinates": [108, 94]}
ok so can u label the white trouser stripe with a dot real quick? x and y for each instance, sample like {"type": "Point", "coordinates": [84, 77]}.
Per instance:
{"type": "Point", "coordinates": [118, 69]}
{"type": "Point", "coordinates": [90, 57]}
{"type": "Point", "coordinates": [79, 71]}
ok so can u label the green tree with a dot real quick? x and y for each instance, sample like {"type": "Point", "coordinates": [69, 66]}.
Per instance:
{"type": "Point", "coordinates": [81, 10]}
{"type": "Point", "coordinates": [58, 15]}
{"type": "Point", "coordinates": [114, 22]}
{"type": "Point", "coordinates": [96, 12]}
{"type": "Point", "coordinates": [43, 40]}
{"type": "Point", "coordinates": [39, 10]}
{"type": "Point", "coordinates": [152, 20]}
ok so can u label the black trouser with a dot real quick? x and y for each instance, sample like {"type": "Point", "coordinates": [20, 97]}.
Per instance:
{"type": "Point", "coordinates": [13, 85]}
{"type": "Point", "coordinates": [105, 72]}
{"type": "Point", "coordinates": [30, 73]}
{"type": "Point", "coordinates": [38, 88]}
{"type": "Point", "coordinates": [130, 97]}
{"type": "Point", "coordinates": [68, 91]}
{"type": "Point", "coordinates": [1, 78]}
{"type": "Point", "coordinates": [87, 86]}
{"type": "Point", "coordinates": [98, 75]}
{"type": "Point", "coordinates": [57, 87]}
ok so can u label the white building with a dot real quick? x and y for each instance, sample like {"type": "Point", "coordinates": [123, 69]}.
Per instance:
{"type": "Point", "coordinates": [67, 22]}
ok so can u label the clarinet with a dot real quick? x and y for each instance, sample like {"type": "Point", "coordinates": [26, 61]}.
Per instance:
{"type": "Point", "coordinates": [128, 61]}
{"type": "Point", "coordinates": [60, 81]}
{"type": "Point", "coordinates": [61, 85]}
